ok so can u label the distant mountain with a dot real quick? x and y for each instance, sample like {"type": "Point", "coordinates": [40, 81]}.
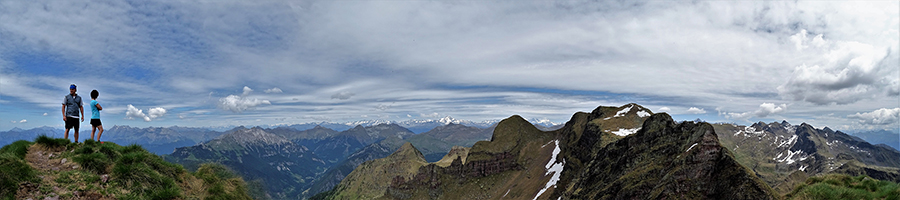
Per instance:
{"type": "Point", "coordinates": [888, 137]}
{"type": "Point", "coordinates": [159, 140]}
{"type": "Point", "coordinates": [420, 126]}
{"type": "Point", "coordinates": [255, 154]}
{"type": "Point", "coordinates": [784, 155]}
{"type": "Point", "coordinates": [287, 161]}
{"type": "Point", "coordinates": [436, 143]}
{"type": "Point", "coordinates": [15, 134]}
{"type": "Point", "coordinates": [593, 156]}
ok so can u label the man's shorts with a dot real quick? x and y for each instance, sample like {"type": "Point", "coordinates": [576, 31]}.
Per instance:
{"type": "Point", "coordinates": [96, 122]}
{"type": "Point", "coordinates": [72, 122]}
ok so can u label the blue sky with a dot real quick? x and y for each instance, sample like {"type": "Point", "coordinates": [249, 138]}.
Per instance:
{"type": "Point", "coordinates": [226, 63]}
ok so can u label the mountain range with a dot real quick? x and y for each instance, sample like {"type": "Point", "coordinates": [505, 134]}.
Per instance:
{"type": "Point", "coordinates": [613, 152]}
{"type": "Point", "coordinates": [624, 152]}
{"type": "Point", "coordinates": [298, 164]}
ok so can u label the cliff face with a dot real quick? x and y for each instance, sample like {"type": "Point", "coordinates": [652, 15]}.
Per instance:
{"type": "Point", "coordinates": [665, 160]}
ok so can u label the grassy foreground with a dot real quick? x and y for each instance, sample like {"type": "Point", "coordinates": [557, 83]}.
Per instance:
{"type": "Point", "coordinates": [54, 167]}
{"type": "Point", "coordinates": [841, 186]}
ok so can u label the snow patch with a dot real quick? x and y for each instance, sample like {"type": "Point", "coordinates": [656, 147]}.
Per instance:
{"type": "Point", "coordinates": [626, 132]}
{"type": "Point", "coordinates": [507, 192]}
{"type": "Point", "coordinates": [803, 168]}
{"type": "Point", "coordinates": [623, 111]}
{"type": "Point", "coordinates": [788, 142]}
{"type": "Point", "coordinates": [643, 114]}
{"type": "Point", "coordinates": [749, 131]}
{"type": "Point", "coordinates": [552, 167]}
{"type": "Point", "coordinates": [692, 146]}
{"type": "Point", "coordinates": [789, 158]}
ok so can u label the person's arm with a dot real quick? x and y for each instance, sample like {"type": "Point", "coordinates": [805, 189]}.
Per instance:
{"type": "Point", "coordinates": [80, 107]}
{"type": "Point", "coordinates": [64, 112]}
{"type": "Point", "coordinates": [99, 107]}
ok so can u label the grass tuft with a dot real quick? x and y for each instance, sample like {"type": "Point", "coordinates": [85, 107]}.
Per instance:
{"type": "Point", "coordinates": [841, 186]}
{"type": "Point", "coordinates": [18, 148]}
{"type": "Point", "coordinates": [14, 171]}
{"type": "Point", "coordinates": [51, 142]}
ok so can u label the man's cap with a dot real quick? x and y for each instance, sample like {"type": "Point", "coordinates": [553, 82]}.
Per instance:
{"type": "Point", "coordinates": [72, 86]}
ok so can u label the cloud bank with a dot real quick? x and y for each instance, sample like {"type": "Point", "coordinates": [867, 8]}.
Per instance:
{"type": "Point", "coordinates": [883, 116]}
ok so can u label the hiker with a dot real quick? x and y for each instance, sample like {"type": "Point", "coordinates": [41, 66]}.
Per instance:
{"type": "Point", "coordinates": [72, 111]}
{"type": "Point", "coordinates": [95, 116]}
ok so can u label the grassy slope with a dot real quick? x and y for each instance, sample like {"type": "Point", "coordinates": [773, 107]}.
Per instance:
{"type": "Point", "coordinates": [37, 170]}
{"type": "Point", "coordinates": [841, 186]}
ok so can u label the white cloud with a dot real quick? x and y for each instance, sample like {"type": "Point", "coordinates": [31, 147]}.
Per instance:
{"type": "Point", "coordinates": [133, 112]}
{"type": "Point", "coordinates": [883, 116]}
{"type": "Point", "coordinates": [156, 112]}
{"type": "Point", "coordinates": [45, 114]}
{"type": "Point", "coordinates": [665, 109]}
{"type": "Point", "coordinates": [247, 91]}
{"type": "Point", "coordinates": [437, 46]}
{"type": "Point", "coordinates": [239, 104]}
{"type": "Point", "coordinates": [844, 72]}
{"type": "Point", "coordinates": [431, 115]}
{"type": "Point", "coordinates": [764, 110]}
{"type": "Point", "coordinates": [342, 95]}
{"type": "Point", "coordinates": [273, 90]}
{"type": "Point", "coordinates": [18, 122]}
{"type": "Point", "coordinates": [767, 109]}
{"type": "Point", "coordinates": [695, 110]}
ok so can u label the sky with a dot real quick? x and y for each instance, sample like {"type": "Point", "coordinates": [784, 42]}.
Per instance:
{"type": "Point", "coordinates": [228, 63]}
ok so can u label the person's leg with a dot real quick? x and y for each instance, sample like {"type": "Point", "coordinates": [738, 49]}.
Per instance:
{"type": "Point", "coordinates": [93, 129]}
{"type": "Point", "coordinates": [100, 133]}
{"type": "Point", "coordinates": [76, 130]}
{"type": "Point", "coordinates": [68, 126]}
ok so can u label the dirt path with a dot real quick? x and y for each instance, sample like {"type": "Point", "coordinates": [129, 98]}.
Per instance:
{"type": "Point", "coordinates": [50, 167]}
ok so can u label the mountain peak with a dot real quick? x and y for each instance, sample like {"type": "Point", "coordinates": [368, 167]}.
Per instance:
{"type": "Point", "coordinates": [408, 151]}
{"type": "Point", "coordinates": [248, 137]}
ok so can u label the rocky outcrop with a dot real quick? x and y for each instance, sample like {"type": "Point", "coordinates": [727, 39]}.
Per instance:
{"type": "Point", "coordinates": [666, 160]}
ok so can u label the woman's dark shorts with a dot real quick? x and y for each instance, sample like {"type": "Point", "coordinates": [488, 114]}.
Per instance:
{"type": "Point", "coordinates": [96, 122]}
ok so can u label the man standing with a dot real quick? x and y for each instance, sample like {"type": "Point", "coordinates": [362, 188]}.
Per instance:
{"type": "Point", "coordinates": [72, 111]}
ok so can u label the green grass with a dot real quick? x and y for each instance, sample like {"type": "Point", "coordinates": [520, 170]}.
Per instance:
{"type": "Point", "coordinates": [840, 186]}
{"type": "Point", "coordinates": [52, 142]}
{"type": "Point", "coordinates": [18, 148]}
{"type": "Point", "coordinates": [134, 172]}
{"type": "Point", "coordinates": [221, 180]}
{"type": "Point", "coordinates": [13, 170]}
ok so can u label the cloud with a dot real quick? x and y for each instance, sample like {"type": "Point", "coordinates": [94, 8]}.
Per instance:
{"type": "Point", "coordinates": [156, 112]}
{"type": "Point", "coordinates": [383, 107]}
{"type": "Point", "coordinates": [342, 95]}
{"type": "Point", "coordinates": [431, 115]}
{"type": "Point", "coordinates": [767, 109]}
{"type": "Point", "coordinates": [18, 122]}
{"type": "Point", "coordinates": [883, 116]}
{"type": "Point", "coordinates": [695, 110]}
{"type": "Point", "coordinates": [843, 73]}
{"type": "Point", "coordinates": [247, 91]}
{"type": "Point", "coordinates": [153, 113]}
{"type": "Point", "coordinates": [273, 90]}
{"type": "Point", "coordinates": [239, 104]}
{"type": "Point", "coordinates": [764, 110]}
{"type": "Point", "coordinates": [664, 109]}
{"type": "Point", "coordinates": [45, 114]}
